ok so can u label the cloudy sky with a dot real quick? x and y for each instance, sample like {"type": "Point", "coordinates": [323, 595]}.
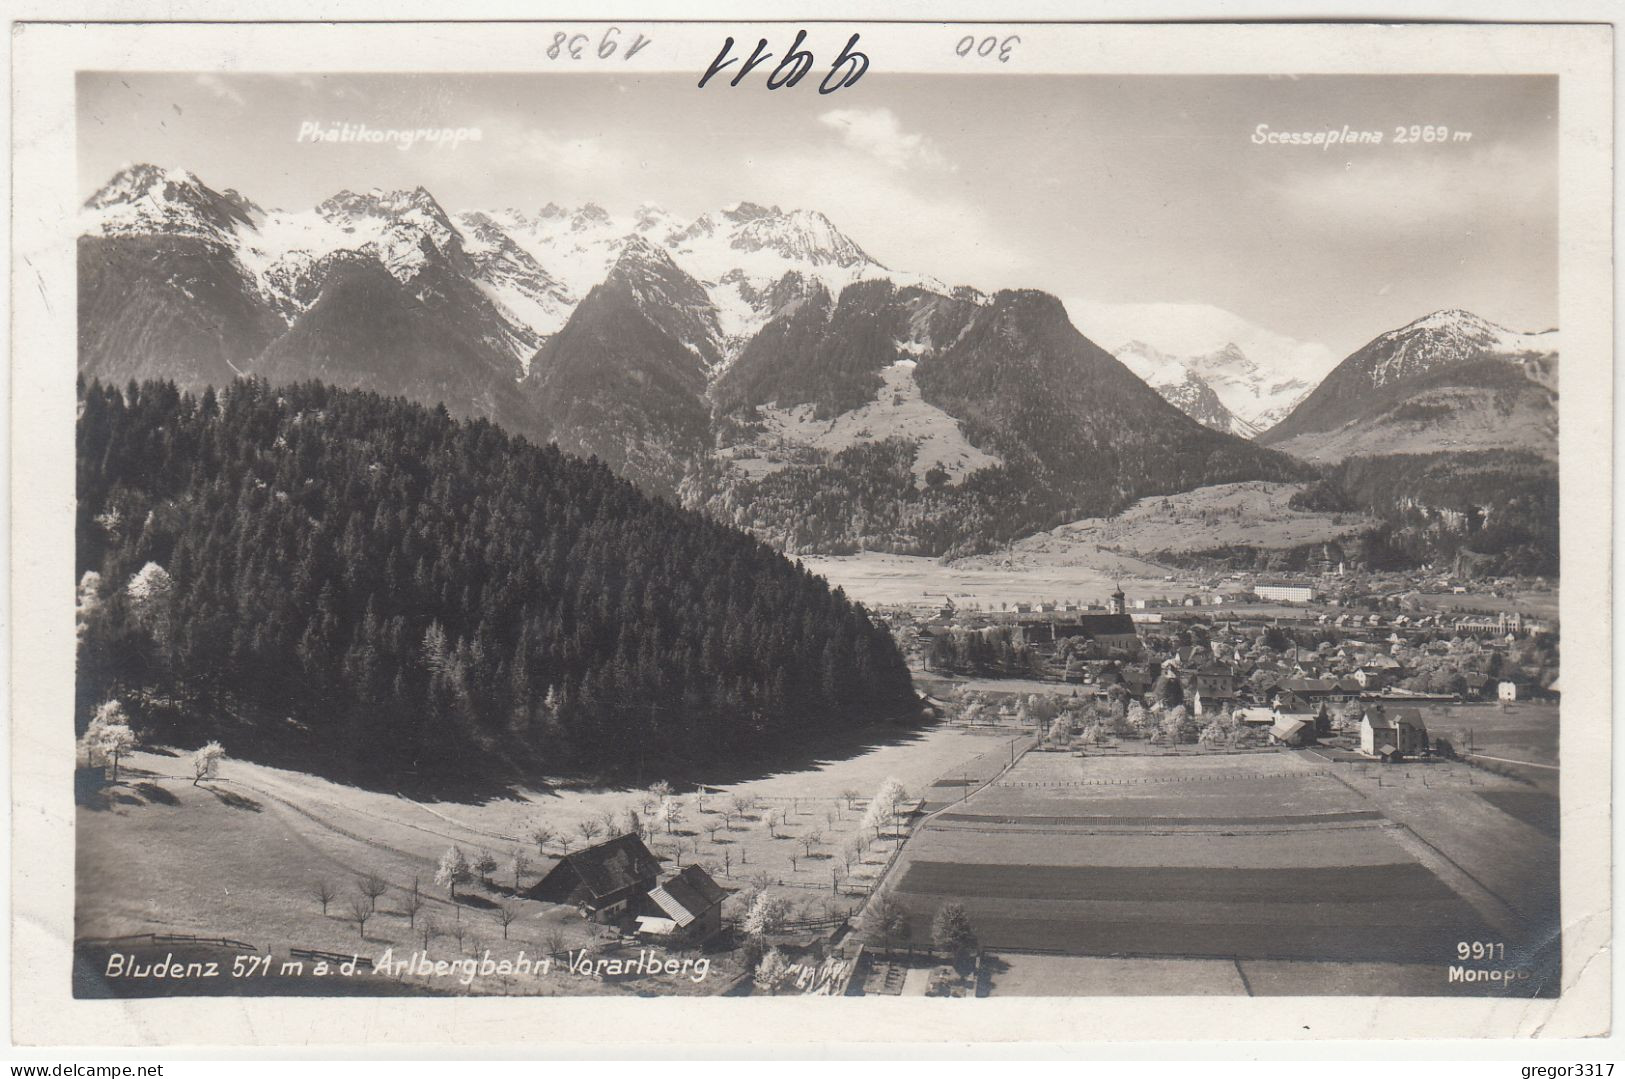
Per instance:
{"type": "Point", "coordinates": [1112, 190]}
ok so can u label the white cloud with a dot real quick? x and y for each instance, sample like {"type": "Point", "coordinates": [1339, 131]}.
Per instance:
{"type": "Point", "coordinates": [1413, 186]}
{"type": "Point", "coordinates": [878, 133]}
{"type": "Point", "coordinates": [220, 88]}
{"type": "Point", "coordinates": [577, 157]}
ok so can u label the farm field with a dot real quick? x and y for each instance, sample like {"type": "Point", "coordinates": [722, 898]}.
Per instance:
{"type": "Point", "coordinates": [1481, 823]}
{"type": "Point", "coordinates": [1261, 858]}
{"type": "Point", "coordinates": [881, 579]}
{"type": "Point", "coordinates": [1524, 731]}
{"type": "Point", "coordinates": [1542, 604]}
{"type": "Point", "coordinates": [263, 837]}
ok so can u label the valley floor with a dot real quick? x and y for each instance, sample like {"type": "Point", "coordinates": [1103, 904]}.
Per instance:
{"type": "Point", "coordinates": [1086, 560]}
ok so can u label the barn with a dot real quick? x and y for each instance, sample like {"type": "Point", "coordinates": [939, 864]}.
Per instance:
{"type": "Point", "coordinates": [685, 908]}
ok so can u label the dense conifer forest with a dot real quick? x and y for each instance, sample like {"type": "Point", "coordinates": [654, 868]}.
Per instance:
{"type": "Point", "coordinates": [1499, 505]}
{"type": "Point", "coordinates": [373, 589]}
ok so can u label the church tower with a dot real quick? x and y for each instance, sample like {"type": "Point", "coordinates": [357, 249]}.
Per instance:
{"type": "Point", "coordinates": [1119, 601]}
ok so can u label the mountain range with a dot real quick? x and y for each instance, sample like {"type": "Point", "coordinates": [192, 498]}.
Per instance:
{"type": "Point", "coordinates": [755, 362]}
{"type": "Point", "coordinates": [1190, 349]}
{"type": "Point", "coordinates": [1448, 382]}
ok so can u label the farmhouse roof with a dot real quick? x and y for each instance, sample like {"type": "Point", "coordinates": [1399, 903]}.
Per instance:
{"type": "Point", "coordinates": [1286, 727]}
{"type": "Point", "coordinates": [613, 864]}
{"type": "Point", "coordinates": [686, 895]}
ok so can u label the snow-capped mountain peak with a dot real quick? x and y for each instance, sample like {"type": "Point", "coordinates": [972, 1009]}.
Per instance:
{"type": "Point", "coordinates": [1258, 374]}
{"type": "Point", "coordinates": [142, 199]}
{"type": "Point", "coordinates": [800, 235]}
{"type": "Point", "coordinates": [1446, 337]}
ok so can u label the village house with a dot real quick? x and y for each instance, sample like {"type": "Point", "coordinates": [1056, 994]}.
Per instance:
{"type": "Point", "coordinates": [605, 881]}
{"type": "Point", "coordinates": [1304, 694]}
{"type": "Point", "coordinates": [1512, 689]}
{"type": "Point", "coordinates": [1211, 689]}
{"type": "Point", "coordinates": [1293, 731]}
{"type": "Point", "coordinates": [1399, 731]}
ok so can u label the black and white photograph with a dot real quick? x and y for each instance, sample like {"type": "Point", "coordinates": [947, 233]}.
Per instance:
{"type": "Point", "coordinates": [767, 524]}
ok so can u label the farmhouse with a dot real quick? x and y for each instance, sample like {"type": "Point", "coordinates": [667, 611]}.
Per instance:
{"type": "Point", "coordinates": [605, 880]}
{"type": "Point", "coordinates": [1293, 731]}
{"type": "Point", "coordinates": [685, 908]}
{"type": "Point", "coordinates": [1400, 731]}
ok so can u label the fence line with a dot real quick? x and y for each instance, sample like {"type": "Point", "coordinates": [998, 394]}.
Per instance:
{"type": "Point", "coordinates": [168, 938]}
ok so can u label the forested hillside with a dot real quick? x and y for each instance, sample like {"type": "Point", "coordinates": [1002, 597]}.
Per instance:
{"type": "Point", "coordinates": [1499, 506]}
{"type": "Point", "coordinates": [372, 589]}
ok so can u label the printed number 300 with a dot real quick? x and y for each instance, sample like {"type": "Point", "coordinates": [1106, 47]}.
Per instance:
{"type": "Point", "coordinates": [987, 46]}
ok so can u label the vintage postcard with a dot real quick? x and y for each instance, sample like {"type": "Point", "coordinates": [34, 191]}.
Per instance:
{"type": "Point", "coordinates": [923, 526]}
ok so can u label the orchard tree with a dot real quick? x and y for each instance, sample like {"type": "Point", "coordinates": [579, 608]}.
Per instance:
{"type": "Point", "coordinates": [453, 870]}
{"type": "Point", "coordinates": [767, 914]}
{"type": "Point", "coordinates": [506, 914]}
{"type": "Point", "coordinates": [542, 835]}
{"type": "Point", "coordinates": [485, 866]}
{"type": "Point", "coordinates": [206, 763]}
{"type": "Point", "coordinates": [371, 886]}
{"type": "Point", "coordinates": [109, 735]}
{"type": "Point", "coordinates": [518, 866]}
{"type": "Point", "coordinates": [322, 891]}
{"type": "Point", "coordinates": [413, 904]}
{"type": "Point", "coordinates": [360, 911]}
